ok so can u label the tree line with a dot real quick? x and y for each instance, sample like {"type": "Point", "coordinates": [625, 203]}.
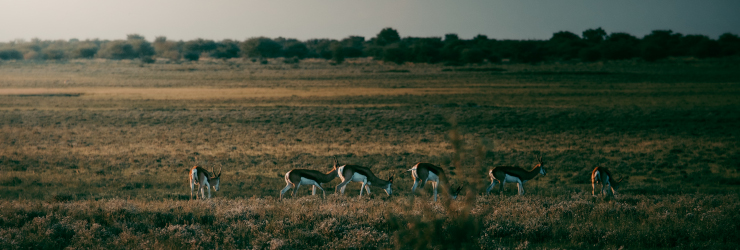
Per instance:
{"type": "Point", "coordinates": [592, 45]}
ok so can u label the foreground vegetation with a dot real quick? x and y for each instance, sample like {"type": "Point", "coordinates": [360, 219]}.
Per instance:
{"type": "Point", "coordinates": [95, 153]}
{"type": "Point", "coordinates": [570, 221]}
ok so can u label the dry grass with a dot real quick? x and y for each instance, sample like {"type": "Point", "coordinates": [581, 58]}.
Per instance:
{"type": "Point", "coordinates": [94, 154]}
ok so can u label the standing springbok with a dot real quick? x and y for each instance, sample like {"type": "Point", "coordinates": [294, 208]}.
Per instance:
{"type": "Point", "coordinates": [204, 179]}
{"type": "Point", "coordinates": [297, 177]}
{"type": "Point", "coordinates": [605, 177]}
{"type": "Point", "coordinates": [423, 172]}
{"type": "Point", "coordinates": [349, 173]}
{"type": "Point", "coordinates": [505, 174]}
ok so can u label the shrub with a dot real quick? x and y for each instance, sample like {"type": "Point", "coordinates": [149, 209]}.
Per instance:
{"type": "Point", "coordinates": [117, 50]}
{"type": "Point", "coordinates": [589, 54]}
{"type": "Point", "coordinates": [394, 53]}
{"type": "Point", "coordinates": [53, 54]}
{"type": "Point", "coordinates": [85, 51]}
{"type": "Point", "coordinates": [261, 47]}
{"type": "Point", "coordinates": [472, 56]}
{"type": "Point", "coordinates": [10, 54]}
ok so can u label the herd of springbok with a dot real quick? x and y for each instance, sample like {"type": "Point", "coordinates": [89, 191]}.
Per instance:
{"type": "Point", "coordinates": [421, 172]}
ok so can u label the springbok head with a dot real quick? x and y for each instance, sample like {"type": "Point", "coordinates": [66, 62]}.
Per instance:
{"type": "Point", "coordinates": [388, 187]}
{"type": "Point", "coordinates": [215, 180]}
{"type": "Point", "coordinates": [541, 165]}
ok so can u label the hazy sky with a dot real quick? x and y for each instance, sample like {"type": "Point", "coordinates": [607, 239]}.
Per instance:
{"type": "Point", "coordinates": [304, 19]}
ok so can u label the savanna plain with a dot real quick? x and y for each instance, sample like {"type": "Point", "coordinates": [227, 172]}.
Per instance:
{"type": "Point", "coordinates": [95, 154]}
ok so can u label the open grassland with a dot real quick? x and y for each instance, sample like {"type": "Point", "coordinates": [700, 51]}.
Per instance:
{"type": "Point", "coordinates": [96, 153]}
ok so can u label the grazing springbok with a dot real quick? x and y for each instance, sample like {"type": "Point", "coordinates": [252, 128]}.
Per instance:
{"type": "Point", "coordinates": [297, 177]}
{"type": "Point", "coordinates": [505, 174]}
{"type": "Point", "coordinates": [607, 180]}
{"type": "Point", "coordinates": [204, 180]}
{"type": "Point", "coordinates": [423, 172]}
{"type": "Point", "coordinates": [350, 173]}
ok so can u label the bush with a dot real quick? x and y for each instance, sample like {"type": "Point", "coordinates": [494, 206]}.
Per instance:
{"type": "Point", "coordinates": [394, 53]}
{"type": "Point", "coordinates": [117, 50]}
{"type": "Point", "coordinates": [191, 56]}
{"type": "Point", "coordinates": [53, 54]}
{"type": "Point", "coordinates": [10, 54]}
{"type": "Point", "coordinates": [589, 54]}
{"type": "Point", "coordinates": [337, 53]}
{"type": "Point", "coordinates": [226, 49]}
{"type": "Point", "coordinates": [472, 56]}
{"type": "Point", "coordinates": [261, 47]}
{"type": "Point", "coordinates": [87, 51]}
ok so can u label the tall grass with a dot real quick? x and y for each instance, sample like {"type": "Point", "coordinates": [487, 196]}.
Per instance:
{"type": "Point", "coordinates": [579, 221]}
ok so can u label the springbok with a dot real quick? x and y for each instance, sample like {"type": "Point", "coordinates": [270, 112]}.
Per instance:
{"type": "Point", "coordinates": [203, 179]}
{"type": "Point", "coordinates": [423, 172]}
{"type": "Point", "coordinates": [605, 177]}
{"type": "Point", "coordinates": [505, 174]}
{"type": "Point", "coordinates": [350, 173]}
{"type": "Point", "coordinates": [297, 177]}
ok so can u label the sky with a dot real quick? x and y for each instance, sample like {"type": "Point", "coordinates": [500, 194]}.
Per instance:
{"type": "Point", "coordinates": [337, 19]}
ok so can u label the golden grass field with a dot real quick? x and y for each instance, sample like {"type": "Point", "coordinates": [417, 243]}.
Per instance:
{"type": "Point", "coordinates": [95, 153]}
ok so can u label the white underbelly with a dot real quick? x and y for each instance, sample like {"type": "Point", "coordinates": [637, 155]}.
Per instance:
{"type": "Point", "coordinates": [359, 178]}
{"type": "Point", "coordinates": [355, 177]}
{"type": "Point", "coordinates": [432, 177]}
{"type": "Point", "coordinates": [511, 178]}
{"type": "Point", "coordinates": [306, 181]}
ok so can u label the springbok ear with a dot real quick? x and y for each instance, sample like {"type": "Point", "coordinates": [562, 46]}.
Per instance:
{"type": "Point", "coordinates": [335, 162]}
{"type": "Point", "coordinates": [390, 179]}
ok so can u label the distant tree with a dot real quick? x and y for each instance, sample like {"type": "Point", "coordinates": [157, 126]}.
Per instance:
{"type": "Point", "coordinates": [337, 53]}
{"type": "Point", "coordinates": [530, 51]}
{"type": "Point", "coordinates": [295, 49]}
{"type": "Point", "coordinates": [472, 55]}
{"type": "Point", "coordinates": [226, 49]}
{"type": "Point", "coordinates": [353, 46]}
{"type": "Point", "coordinates": [387, 36]}
{"type": "Point", "coordinates": [166, 49]}
{"type": "Point", "coordinates": [85, 50]}
{"type": "Point", "coordinates": [117, 50]}
{"type": "Point", "coordinates": [10, 54]}
{"type": "Point", "coordinates": [160, 39]}
{"type": "Point", "coordinates": [480, 40]}
{"type": "Point", "coordinates": [618, 46]}
{"type": "Point", "coordinates": [565, 45]}
{"type": "Point", "coordinates": [319, 48]}
{"type": "Point", "coordinates": [192, 47]}
{"type": "Point", "coordinates": [659, 44]}
{"type": "Point", "coordinates": [395, 52]}
{"type": "Point", "coordinates": [590, 54]}
{"type": "Point", "coordinates": [142, 48]}
{"type": "Point", "coordinates": [451, 38]}
{"type": "Point", "coordinates": [354, 41]}
{"type": "Point", "coordinates": [191, 55]}
{"type": "Point", "coordinates": [452, 48]}
{"type": "Point", "coordinates": [729, 44]}
{"type": "Point", "coordinates": [426, 50]}
{"type": "Point", "coordinates": [698, 46]}
{"type": "Point", "coordinates": [134, 37]}
{"type": "Point", "coordinates": [261, 47]}
{"type": "Point", "coordinates": [594, 36]}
